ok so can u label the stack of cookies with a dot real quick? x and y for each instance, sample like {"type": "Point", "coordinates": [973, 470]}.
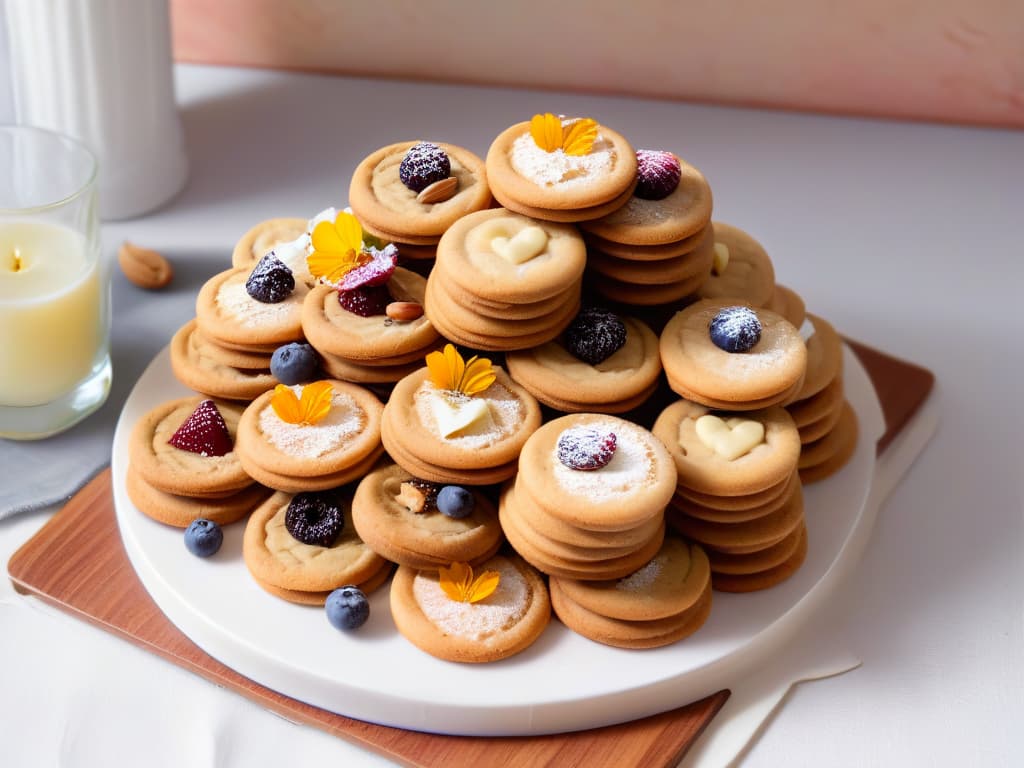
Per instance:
{"type": "Point", "coordinates": [202, 364]}
{"type": "Point", "coordinates": [661, 603]}
{"type": "Point", "coordinates": [739, 494]}
{"type": "Point", "coordinates": [410, 193]}
{"type": "Point", "coordinates": [588, 501]}
{"type": "Point", "coordinates": [504, 281]}
{"type": "Point", "coordinates": [788, 303]}
{"type": "Point", "coordinates": [741, 269]}
{"type": "Point", "coordinates": [561, 169]}
{"type": "Point", "coordinates": [182, 464]}
{"type": "Point", "coordinates": [659, 247]}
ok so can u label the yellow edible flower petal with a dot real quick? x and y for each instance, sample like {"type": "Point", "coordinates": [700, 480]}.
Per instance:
{"type": "Point", "coordinates": [477, 377]}
{"type": "Point", "coordinates": [576, 139]}
{"type": "Point", "coordinates": [483, 586]}
{"type": "Point", "coordinates": [312, 407]}
{"type": "Point", "coordinates": [580, 137]}
{"type": "Point", "coordinates": [458, 583]}
{"type": "Point", "coordinates": [449, 372]}
{"type": "Point", "coordinates": [337, 247]}
{"type": "Point", "coordinates": [546, 130]}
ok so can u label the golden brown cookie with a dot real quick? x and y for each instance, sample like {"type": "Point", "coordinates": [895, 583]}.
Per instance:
{"type": "Point", "coordinates": [228, 315]}
{"type": "Point", "coordinates": [824, 357]}
{"type": "Point", "coordinates": [752, 582]}
{"type": "Point", "coordinates": [180, 511]}
{"type": "Point", "coordinates": [748, 273]}
{"type": "Point", "coordinates": [811, 409]}
{"type": "Point", "coordinates": [759, 561]}
{"type": "Point", "coordinates": [715, 514]}
{"type": "Point", "coordinates": [264, 237]}
{"type": "Point", "coordinates": [829, 454]}
{"type": "Point", "coordinates": [320, 597]}
{"type": "Point", "coordinates": [196, 363]}
{"type": "Point", "coordinates": [788, 303]}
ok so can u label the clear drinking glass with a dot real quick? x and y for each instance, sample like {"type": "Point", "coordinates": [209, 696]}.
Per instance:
{"type": "Point", "coordinates": [54, 290]}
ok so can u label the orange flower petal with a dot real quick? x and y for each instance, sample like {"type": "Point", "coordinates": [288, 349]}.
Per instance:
{"type": "Point", "coordinates": [313, 406]}
{"type": "Point", "coordinates": [546, 131]}
{"type": "Point", "coordinates": [285, 404]}
{"type": "Point", "coordinates": [483, 586]}
{"type": "Point", "coordinates": [580, 137]}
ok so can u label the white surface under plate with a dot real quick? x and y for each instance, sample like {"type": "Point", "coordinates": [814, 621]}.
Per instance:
{"type": "Point", "coordinates": [562, 682]}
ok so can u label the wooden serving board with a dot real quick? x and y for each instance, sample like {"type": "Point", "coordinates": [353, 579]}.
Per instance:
{"type": "Point", "coordinates": [77, 563]}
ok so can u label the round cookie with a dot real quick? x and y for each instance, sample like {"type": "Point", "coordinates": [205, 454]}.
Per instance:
{"type": "Point", "coordinates": [228, 315]}
{"type": "Point", "coordinates": [195, 363]}
{"type": "Point", "coordinates": [824, 357]}
{"type": "Point", "coordinates": [673, 270]}
{"type": "Point", "coordinates": [573, 216]}
{"type": "Point", "coordinates": [273, 556]}
{"type": "Point", "coordinates": [179, 472]}
{"type": "Point", "coordinates": [828, 455]}
{"type": "Point", "coordinates": [320, 597]}
{"type": "Point", "coordinates": [423, 538]}
{"type": "Point", "coordinates": [672, 582]}
{"type": "Point", "coordinates": [816, 407]}
{"type": "Point", "coordinates": [713, 514]}
{"type": "Point", "coordinates": [644, 252]}
{"type": "Point", "coordinates": [520, 170]}
{"type": "Point", "coordinates": [235, 358]}
{"type": "Point", "coordinates": [180, 511]}
{"type": "Point", "coordinates": [735, 503]}
{"type": "Point", "coordinates": [448, 475]}
{"type": "Point", "coordinates": [264, 237]}
{"type": "Point", "coordinates": [360, 373]}
{"type": "Point", "coordinates": [293, 484]}
{"type": "Point", "coordinates": [379, 198]}
{"type": "Point", "coordinates": [333, 329]}
{"type": "Point", "coordinates": [748, 275]}
{"type": "Point", "coordinates": [753, 582]}
{"type": "Point", "coordinates": [681, 214]}
{"type": "Point", "coordinates": [788, 303]}
{"type": "Point", "coordinates": [495, 310]}
{"type": "Point", "coordinates": [768, 371]}
{"type": "Point", "coordinates": [757, 562]}
{"type": "Point", "coordinates": [647, 295]}
{"type": "Point", "coordinates": [818, 429]}
{"type": "Point", "coordinates": [720, 468]}
{"type": "Point", "coordinates": [503, 624]}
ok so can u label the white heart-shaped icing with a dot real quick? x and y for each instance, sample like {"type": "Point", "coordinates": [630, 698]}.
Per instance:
{"type": "Point", "coordinates": [729, 438]}
{"type": "Point", "coordinates": [457, 418]}
{"type": "Point", "coordinates": [523, 246]}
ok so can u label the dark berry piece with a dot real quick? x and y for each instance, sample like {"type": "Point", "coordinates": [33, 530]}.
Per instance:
{"type": "Point", "coordinates": [347, 608]}
{"type": "Point", "coordinates": [657, 173]}
{"type": "Point", "coordinates": [585, 448]}
{"type": "Point", "coordinates": [429, 491]}
{"type": "Point", "coordinates": [294, 363]}
{"type": "Point", "coordinates": [366, 302]}
{"type": "Point", "coordinates": [735, 329]}
{"type": "Point", "coordinates": [270, 281]}
{"type": "Point", "coordinates": [314, 518]}
{"type": "Point", "coordinates": [204, 432]}
{"type": "Point", "coordinates": [424, 164]}
{"type": "Point", "coordinates": [377, 271]}
{"type": "Point", "coordinates": [203, 537]}
{"type": "Point", "coordinates": [595, 335]}
{"type": "Point", "coordinates": [455, 501]}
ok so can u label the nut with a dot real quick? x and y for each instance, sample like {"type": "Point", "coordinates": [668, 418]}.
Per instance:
{"type": "Point", "coordinates": [439, 191]}
{"type": "Point", "coordinates": [143, 267]}
{"type": "Point", "coordinates": [412, 498]}
{"type": "Point", "coordinates": [403, 311]}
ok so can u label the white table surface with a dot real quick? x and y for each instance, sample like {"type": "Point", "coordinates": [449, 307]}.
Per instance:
{"type": "Point", "coordinates": [905, 236]}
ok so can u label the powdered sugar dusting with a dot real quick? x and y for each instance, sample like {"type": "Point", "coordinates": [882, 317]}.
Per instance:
{"type": "Point", "coordinates": [293, 255]}
{"type": "Point", "coordinates": [807, 330]}
{"type": "Point", "coordinates": [631, 467]}
{"type": "Point", "coordinates": [476, 621]}
{"type": "Point", "coordinates": [309, 442]}
{"type": "Point", "coordinates": [642, 580]}
{"type": "Point", "coordinates": [505, 408]}
{"type": "Point", "coordinates": [232, 299]}
{"type": "Point", "coordinates": [550, 168]}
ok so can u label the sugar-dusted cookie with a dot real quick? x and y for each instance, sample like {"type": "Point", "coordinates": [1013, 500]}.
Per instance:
{"type": "Point", "coordinates": [207, 465]}
{"type": "Point", "coordinates": [399, 517]}
{"type": "Point", "coordinates": [197, 363]}
{"type": "Point", "coordinates": [264, 237]}
{"type": "Point", "coordinates": [440, 619]}
{"type": "Point", "coordinates": [743, 270]}
{"type": "Point", "coordinates": [180, 511]}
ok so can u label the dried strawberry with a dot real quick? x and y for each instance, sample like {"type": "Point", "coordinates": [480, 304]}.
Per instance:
{"type": "Point", "coordinates": [377, 271]}
{"type": "Point", "coordinates": [367, 301]}
{"type": "Point", "coordinates": [586, 448]}
{"type": "Point", "coordinates": [204, 432]}
{"type": "Point", "coordinates": [658, 174]}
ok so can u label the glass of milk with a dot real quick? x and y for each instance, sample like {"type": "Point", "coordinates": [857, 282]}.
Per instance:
{"type": "Point", "coordinates": [54, 291]}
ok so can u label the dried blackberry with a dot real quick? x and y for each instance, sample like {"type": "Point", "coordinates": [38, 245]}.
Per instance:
{"type": "Point", "coordinates": [314, 518]}
{"type": "Point", "coordinates": [424, 164]}
{"type": "Point", "coordinates": [595, 335]}
{"type": "Point", "coordinates": [270, 281]}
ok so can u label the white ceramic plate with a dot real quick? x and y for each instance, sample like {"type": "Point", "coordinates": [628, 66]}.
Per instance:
{"type": "Point", "coordinates": [562, 682]}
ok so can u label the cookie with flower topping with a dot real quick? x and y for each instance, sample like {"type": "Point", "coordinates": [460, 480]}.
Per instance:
{"type": "Point", "coordinates": [400, 517]}
{"type": "Point", "coordinates": [310, 437]}
{"type": "Point", "coordinates": [417, 189]}
{"type": "Point", "coordinates": [301, 547]}
{"type": "Point", "coordinates": [458, 420]}
{"type": "Point", "coordinates": [465, 614]}
{"type": "Point", "coordinates": [565, 169]}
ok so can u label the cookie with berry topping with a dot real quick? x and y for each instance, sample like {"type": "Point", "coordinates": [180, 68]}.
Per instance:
{"type": "Point", "coordinates": [466, 614]}
{"type": "Point", "coordinates": [180, 511]}
{"type": "Point", "coordinates": [602, 363]}
{"type": "Point", "coordinates": [568, 169]}
{"type": "Point", "coordinates": [742, 268]}
{"type": "Point", "coordinates": [187, 447]}
{"type": "Point", "coordinates": [264, 237]}
{"type": "Point", "coordinates": [197, 363]}
{"type": "Point", "coordinates": [418, 189]}
{"type": "Point", "coordinates": [411, 522]}
{"type": "Point", "coordinates": [310, 437]}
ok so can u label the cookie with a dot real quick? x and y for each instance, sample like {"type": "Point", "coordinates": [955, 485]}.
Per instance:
{"type": "Point", "coordinates": [816, 407]}
{"type": "Point", "coordinates": [788, 303]}
{"type": "Point", "coordinates": [180, 511]}
{"type": "Point", "coordinates": [228, 315]}
{"type": "Point", "coordinates": [771, 371]}
{"type": "Point", "coordinates": [573, 216]}
{"type": "Point", "coordinates": [626, 252]}
{"type": "Point", "coordinates": [747, 274]}
{"type": "Point", "coordinates": [759, 561]}
{"type": "Point", "coordinates": [829, 454]}
{"type": "Point", "coordinates": [824, 357]}
{"type": "Point", "coordinates": [265, 237]}
{"type": "Point", "coordinates": [632, 294]}
{"type": "Point", "coordinates": [816, 430]}
{"type": "Point", "coordinates": [320, 597]}
{"type": "Point", "coordinates": [360, 373]}
{"type": "Point", "coordinates": [726, 454]}
{"type": "Point", "coordinates": [400, 520]}
{"type": "Point", "coordinates": [766, 579]}
{"type": "Point", "coordinates": [734, 503]}
{"type": "Point", "coordinates": [672, 270]}
{"type": "Point", "coordinates": [181, 472]}
{"type": "Point", "coordinates": [501, 625]}
{"type": "Point", "coordinates": [196, 363]}
{"type": "Point", "coordinates": [275, 557]}
{"type": "Point", "coordinates": [715, 514]}
{"type": "Point", "coordinates": [380, 198]}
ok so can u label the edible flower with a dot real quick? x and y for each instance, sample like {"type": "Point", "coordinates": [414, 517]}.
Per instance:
{"type": "Point", "coordinates": [337, 248]}
{"type": "Point", "coordinates": [448, 371]}
{"type": "Point", "coordinates": [314, 404]}
{"type": "Point", "coordinates": [577, 138]}
{"type": "Point", "coordinates": [458, 583]}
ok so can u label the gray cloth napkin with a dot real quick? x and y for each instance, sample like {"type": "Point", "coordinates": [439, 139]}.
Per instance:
{"type": "Point", "coordinates": [40, 473]}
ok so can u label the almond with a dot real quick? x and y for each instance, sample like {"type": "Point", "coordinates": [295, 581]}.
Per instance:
{"type": "Point", "coordinates": [143, 267]}
{"type": "Point", "coordinates": [439, 191]}
{"type": "Point", "coordinates": [403, 311]}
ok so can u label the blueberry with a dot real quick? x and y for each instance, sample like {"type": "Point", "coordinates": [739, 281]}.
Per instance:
{"type": "Point", "coordinates": [455, 501]}
{"type": "Point", "coordinates": [270, 281]}
{"type": "Point", "coordinates": [595, 335]}
{"type": "Point", "coordinates": [314, 518]}
{"type": "Point", "coordinates": [347, 608]}
{"type": "Point", "coordinates": [424, 164]}
{"type": "Point", "coordinates": [203, 537]}
{"type": "Point", "coordinates": [294, 363]}
{"type": "Point", "coordinates": [735, 329]}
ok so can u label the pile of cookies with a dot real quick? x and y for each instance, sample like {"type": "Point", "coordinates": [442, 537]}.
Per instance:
{"type": "Point", "coordinates": [535, 468]}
